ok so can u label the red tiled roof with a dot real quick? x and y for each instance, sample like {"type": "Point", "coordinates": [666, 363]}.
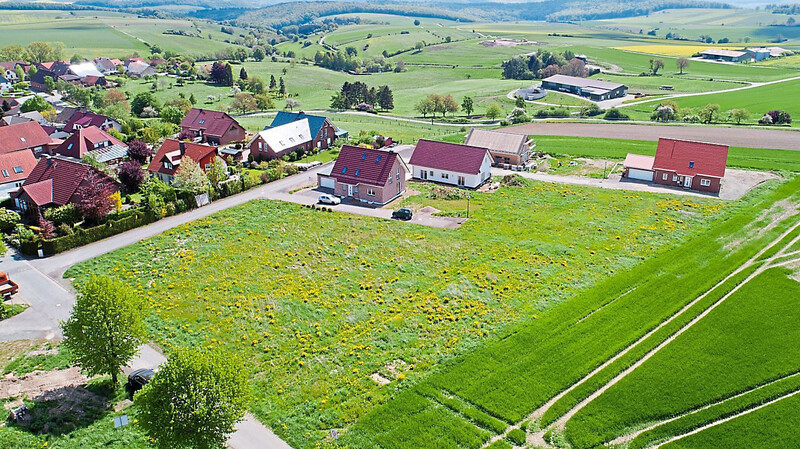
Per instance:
{"type": "Point", "coordinates": [84, 140]}
{"type": "Point", "coordinates": [356, 165]}
{"type": "Point", "coordinates": [16, 166]}
{"type": "Point", "coordinates": [63, 177]}
{"type": "Point", "coordinates": [213, 123]}
{"type": "Point", "coordinates": [448, 156]}
{"type": "Point", "coordinates": [691, 158]}
{"type": "Point", "coordinates": [22, 136]}
{"type": "Point", "coordinates": [195, 151]}
{"type": "Point", "coordinates": [85, 118]}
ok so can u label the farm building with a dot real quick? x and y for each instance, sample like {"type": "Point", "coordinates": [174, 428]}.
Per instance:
{"type": "Point", "coordinates": [56, 181]}
{"type": "Point", "coordinates": [367, 175]}
{"type": "Point", "coordinates": [274, 143]}
{"type": "Point", "coordinates": [323, 132]}
{"type": "Point", "coordinates": [592, 89]}
{"type": "Point", "coordinates": [449, 163]}
{"type": "Point", "coordinates": [168, 158]}
{"type": "Point", "coordinates": [726, 55]}
{"type": "Point", "coordinates": [506, 149]}
{"type": "Point", "coordinates": [680, 163]}
{"type": "Point", "coordinates": [213, 127]}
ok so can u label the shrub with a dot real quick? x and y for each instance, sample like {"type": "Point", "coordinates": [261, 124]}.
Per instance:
{"type": "Point", "coordinates": [64, 229]}
{"type": "Point", "coordinates": [780, 117]}
{"type": "Point", "coordinates": [591, 110]}
{"type": "Point", "coordinates": [66, 214]}
{"type": "Point", "coordinates": [8, 220]}
{"type": "Point", "coordinates": [131, 175]}
{"type": "Point", "coordinates": [170, 208]}
{"type": "Point", "coordinates": [615, 114]}
{"type": "Point", "coordinates": [499, 444]}
{"type": "Point", "coordinates": [518, 437]}
{"type": "Point", "coordinates": [513, 180]}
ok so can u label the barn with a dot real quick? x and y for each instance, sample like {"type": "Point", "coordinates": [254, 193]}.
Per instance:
{"type": "Point", "coordinates": [592, 89]}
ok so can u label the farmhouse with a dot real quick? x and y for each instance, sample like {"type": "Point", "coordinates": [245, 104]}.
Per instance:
{"type": "Point", "coordinates": [726, 55]}
{"type": "Point", "coordinates": [592, 89]}
{"type": "Point", "coordinates": [213, 127]}
{"type": "Point", "coordinates": [691, 165]}
{"type": "Point", "coordinates": [506, 149]}
{"type": "Point", "coordinates": [323, 132]}
{"type": "Point", "coordinates": [449, 163]}
{"type": "Point", "coordinates": [96, 142]}
{"type": "Point", "coordinates": [168, 158]}
{"type": "Point", "coordinates": [367, 175]}
{"type": "Point", "coordinates": [24, 136]}
{"type": "Point", "coordinates": [273, 143]}
{"type": "Point", "coordinates": [56, 181]}
{"type": "Point", "coordinates": [14, 168]}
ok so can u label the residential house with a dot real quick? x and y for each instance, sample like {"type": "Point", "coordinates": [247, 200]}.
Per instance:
{"type": "Point", "coordinates": [39, 79]}
{"type": "Point", "coordinates": [506, 149]}
{"type": "Point", "coordinates": [680, 163]}
{"type": "Point", "coordinates": [449, 163]}
{"type": "Point", "coordinates": [31, 116]}
{"type": "Point", "coordinates": [323, 132]}
{"type": "Point", "coordinates": [83, 118]}
{"type": "Point", "coordinates": [139, 69]}
{"type": "Point", "coordinates": [8, 70]}
{"type": "Point", "coordinates": [213, 127]}
{"type": "Point", "coordinates": [10, 105]}
{"type": "Point", "coordinates": [56, 181]}
{"type": "Point", "coordinates": [93, 141]}
{"type": "Point", "coordinates": [168, 158]}
{"type": "Point", "coordinates": [105, 66]}
{"type": "Point", "coordinates": [592, 89]}
{"type": "Point", "coordinates": [5, 84]}
{"type": "Point", "coordinates": [24, 136]}
{"type": "Point", "coordinates": [367, 175]}
{"type": "Point", "coordinates": [14, 168]}
{"type": "Point", "coordinates": [274, 143]}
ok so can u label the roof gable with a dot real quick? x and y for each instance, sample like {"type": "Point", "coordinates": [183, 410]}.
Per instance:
{"type": "Point", "coordinates": [497, 141]}
{"type": "Point", "coordinates": [173, 150]}
{"type": "Point", "coordinates": [287, 136]}
{"type": "Point", "coordinates": [214, 123]}
{"type": "Point", "coordinates": [16, 166]}
{"type": "Point", "coordinates": [315, 122]}
{"type": "Point", "coordinates": [64, 177]}
{"type": "Point", "coordinates": [449, 156]}
{"type": "Point", "coordinates": [356, 165]}
{"type": "Point", "coordinates": [22, 136]}
{"type": "Point", "coordinates": [691, 158]}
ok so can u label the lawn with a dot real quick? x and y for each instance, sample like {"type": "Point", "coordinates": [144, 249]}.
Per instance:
{"type": "Point", "coordinates": [325, 308]}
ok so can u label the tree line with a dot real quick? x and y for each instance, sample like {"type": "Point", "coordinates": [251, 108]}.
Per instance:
{"type": "Point", "coordinates": [354, 94]}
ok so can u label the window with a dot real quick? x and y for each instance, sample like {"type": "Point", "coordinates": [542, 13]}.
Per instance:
{"type": "Point", "coordinates": [18, 169]}
{"type": "Point", "coordinates": [344, 170]}
{"type": "Point", "coordinates": [69, 147]}
{"type": "Point", "coordinates": [168, 165]}
{"type": "Point", "coordinates": [390, 179]}
{"type": "Point", "coordinates": [705, 182]}
{"type": "Point", "coordinates": [674, 178]}
{"type": "Point", "coordinates": [358, 170]}
{"type": "Point", "coordinates": [691, 164]}
{"type": "Point", "coordinates": [202, 121]}
{"type": "Point", "coordinates": [430, 173]}
{"type": "Point", "coordinates": [445, 176]}
{"type": "Point", "coordinates": [370, 192]}
{"type": "Point", "coordinates": [208, 167]}
{"type": "Point", "coordinates": [398, 173]}
{"type": "Point", "coordinates": [291, 139]}
{"type": "Point", "coordinates": [5, 173]}
{"type": "Point", "coordinates": [461, 180]}
{"type": "Point", "coordinates": [378, 159]}
{"type": "Point", "coordinates": [364, 156]}
{"type": "Point", "coordinates": [22, 139]}
{"type": "Point", "coordinates": [664, 177]}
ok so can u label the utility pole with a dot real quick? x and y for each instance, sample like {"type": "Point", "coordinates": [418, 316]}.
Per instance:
{"type": "Point", "coordinates": [468, 197]}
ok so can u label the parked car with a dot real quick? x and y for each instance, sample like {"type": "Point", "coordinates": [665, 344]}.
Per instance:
{"type": "Point", "coordinates": [7, 286]}
{"type": "Point", "coordinates": [329, 199]}
{"type": "Point", "coordinates": [139, 378]}
{"type": "Point", "coordinates": [403, 213]}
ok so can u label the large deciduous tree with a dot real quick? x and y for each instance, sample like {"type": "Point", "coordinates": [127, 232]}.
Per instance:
{"type": "Point", "coordinates": [195, 400]}
{"type": "Point", "coordinates": [682, 63]}
{"type": "Point", "coordinates": [106, 326]}
{"type": "Point", "coordinates": [131, 175]}
{"type": "Point", "coordinates": [94, 195]}
{"type": "Point", "coordinates": [468, 105]}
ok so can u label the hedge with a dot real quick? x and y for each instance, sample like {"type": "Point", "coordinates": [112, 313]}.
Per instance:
{"type": "Point", "coordinates": [85, 236]}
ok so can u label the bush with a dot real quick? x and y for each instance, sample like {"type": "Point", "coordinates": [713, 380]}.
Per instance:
{"type": "Point", "coordinates": [513, 180]}
{"type": "Point", "coordinates": [85, 236]}
{"type": "Point", "coordinates": [8, 220]}
{"type": "Point", "coordinates": [552, 112]}
{"type": "Point", "coordinates": [518, 437]}
{"type": "Point", "coordinates": [591, 110]}
{"type": "Point", "coordinates": [615, 114]}
{"type": "Point", "coordinates": [170, 208]}
{"type": "Point", "coordinates": [64, 229]}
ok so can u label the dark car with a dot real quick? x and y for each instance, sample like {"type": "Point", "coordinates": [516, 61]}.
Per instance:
{"type": "Point", "coordinates": [402, 213]}
{"type": "Point", "coordinates": [139, 378]}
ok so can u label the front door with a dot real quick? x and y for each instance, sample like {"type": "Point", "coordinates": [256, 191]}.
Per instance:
{"type": "Point", "coordinates": [349, 190]}
{"type": "Point", "coordinates": [424, 174]}
{"type": "Point", "coordinates": [687, 181]}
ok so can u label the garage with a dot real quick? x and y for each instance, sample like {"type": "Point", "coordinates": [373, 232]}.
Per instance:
{"type": "Point", "coordinates": [641, 175]}
{"type": "Point", "coordinates": [330, 183]}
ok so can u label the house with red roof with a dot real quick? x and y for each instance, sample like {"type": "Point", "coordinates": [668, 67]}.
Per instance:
{"type": "Point", "coordinates": [83, 118]}
{"type": "Point", "coordinates": [463, 166]}
{"type": "Point", "coordinates": [24, 136]}
{"type": "Point", "coordinates": [94, 141]}
{"type": "Point", "coordinates": [680, 163]}
{"type": "Point", "coordinates": [168, 158]}
{"type": "Point", "coordinates": [213, 127]}
{"type": "Point", "coordinates": [56, 181]}
{"type": "Point", "coordinates": [14, 169]}
{"type": "Point", "coordinates": [367, 175]}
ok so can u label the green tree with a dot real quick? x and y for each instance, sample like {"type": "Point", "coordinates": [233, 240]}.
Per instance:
{"type": "Point", "coordinates": [192, 100]}
{"type": "Point", "coordinates": [20, 73]}
{"type": "Point", "coordinates": [244, 102]}
{"type": "Point", "coordinates": [656, 65]}
{"type": "Point", "coordinates": [190, 176]}
{"type": "Point", "coordinates": [448, 104]}
{"type": "Point", "coordinates": [338, 102]}
{"type": "Point", "coordinates": [143, 100]}
{"type": "Point", "coordinates": [106, 326]}
{"type": "Point", "coordinates": [282, 89]}
{"type": "Point", "coordinates": [272, 83]}
{"type": "Point", "coordinates": [259, 54]}
{"type": "Point", "coordinates": [493, 111]}
{"type": "Point", "coordinates": [264, 101]}
{"type": "Point", "coordinates": [739, 115]}
{"type": "Point", "coordinates": [520, 103]}
{"type": "Point", "coordinates": [425, 106]}
{"type": "Point", "coordinates": [49, 84]}
{"type": "Point", "coordinates": [40, 52]}
{"type": "Point", "coordinates": [468, 105]}
{"type": "Point", "coordinates": [682, 63]}
{"type": "Point", "coordinates": [708, 112]}
{"type": "Point", "coordinates": [242, 74]}
{"type": "Point", "coordinates": [385, 98]}
{"type": "Point", "coordinates": [195, 400]}
{"type": "Point", "coordinates": [218, 171]}
{"type": "Point", "coordinates": [171, 114]}
{"type": "Point", "coordinates": [35, 103]}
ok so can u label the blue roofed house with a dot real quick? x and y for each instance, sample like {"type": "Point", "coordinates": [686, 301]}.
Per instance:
{"type": "Point", "coordinates": [323, 132]}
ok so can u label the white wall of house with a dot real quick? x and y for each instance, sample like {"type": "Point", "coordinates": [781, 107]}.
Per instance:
{"type": "Point", "coordinates": [452, 177]}
{"type": "Point", "coordinates": [7, 188]}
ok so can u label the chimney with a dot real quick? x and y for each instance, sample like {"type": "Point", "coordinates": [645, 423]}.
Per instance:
{"type": "Point", "coordinates": [182, 146]}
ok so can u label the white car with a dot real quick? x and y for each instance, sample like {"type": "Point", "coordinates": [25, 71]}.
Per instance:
{"type": "Point", "coordinates": [329, 199]}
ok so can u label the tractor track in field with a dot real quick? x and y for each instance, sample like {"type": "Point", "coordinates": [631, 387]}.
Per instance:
{"type": "Point", "coordinates": [538, 437]}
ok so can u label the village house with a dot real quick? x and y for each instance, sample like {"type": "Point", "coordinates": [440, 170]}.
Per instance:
{"type": "Point", "coordinates": [5, 84]}
{"type": "Point", "coordinates": [23, 117]}
{"type": "Point", "coordinates": [680, 163]}
{"type": "Point", "coordinates": [323, 132]}
{"type": "Point", "coordinates": [93, 141]}
{"type": "Point", "coordinates": [106, 66]}
{"type": "Point", "coordinates": [24, 136]}
{"type": "Point", "coordinates": [39, 79]}
{"type": "Point", "coordinates": [274, 143]}
{"type": "Point", "coordinates": [82, 118]}
{"type": "Point", "coordinates": [449, 163]}
{"type": "Point", "coordinates": [10, 105]}
{"type": "Point", "coordinates": [8, 70]}
{"type": "Point", "coordinates": [366, 175]}
{"type": "Point", "coordinates": [56, 181]}
{"type": "Point", "coordinates": [168, 158]}
{"type": "Point", "coordinates": [138, 68]}
{"type": "Point", "coordinates": [213, 127]}
{"type": "Point", "coordinates": [507, 149]}
{"type": "Point", "coordinates": [14, 169]}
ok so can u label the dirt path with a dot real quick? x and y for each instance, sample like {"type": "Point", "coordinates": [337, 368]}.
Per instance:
{"type": "Point", "coordinates": [561, 422]}
{"type": "Point", "coordinates": [40, 382]}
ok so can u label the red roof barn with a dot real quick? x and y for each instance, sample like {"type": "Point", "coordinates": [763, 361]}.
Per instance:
{"type": "Point", "coordinates": [214, 127]}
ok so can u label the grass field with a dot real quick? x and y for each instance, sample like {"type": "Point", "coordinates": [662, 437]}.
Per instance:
{"type": "Point", "coordinates": [321, 308]}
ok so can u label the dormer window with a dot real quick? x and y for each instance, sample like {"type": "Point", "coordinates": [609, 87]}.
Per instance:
{"type": "Point", "coordinates": [364, 157]}
{"type": "Point", "coordinates": [5, 173]}
{"type": "Point", "coordinates": [69, 147]}
{"type": "Point", "coordinates": [358, 171]}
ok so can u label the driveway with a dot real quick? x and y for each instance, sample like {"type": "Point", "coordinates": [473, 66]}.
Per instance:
{"type": "Point", "coordinates": [733, 136]}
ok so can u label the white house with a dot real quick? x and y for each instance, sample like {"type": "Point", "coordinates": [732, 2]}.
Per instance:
{"type": "Point", "coordinates": [274, 143]}
{"type": "Point", "coordinates": [5, 84]}
{"type": "Point", "coordinates": [449, 163]}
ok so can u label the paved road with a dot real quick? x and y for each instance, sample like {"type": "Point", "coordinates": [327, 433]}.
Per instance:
{"type": "Point", "coordinates": [734, 136]}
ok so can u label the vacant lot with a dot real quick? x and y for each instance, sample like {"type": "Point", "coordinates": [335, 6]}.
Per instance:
{"type": "Point", "coordinates": [329, 307]}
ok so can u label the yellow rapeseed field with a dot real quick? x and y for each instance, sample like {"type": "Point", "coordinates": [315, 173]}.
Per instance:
{"type": "Point", "coordinates": [674, 50]}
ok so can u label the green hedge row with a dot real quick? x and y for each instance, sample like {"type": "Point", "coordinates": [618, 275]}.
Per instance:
{"type": "Point", "coordinates": [85, 236]}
